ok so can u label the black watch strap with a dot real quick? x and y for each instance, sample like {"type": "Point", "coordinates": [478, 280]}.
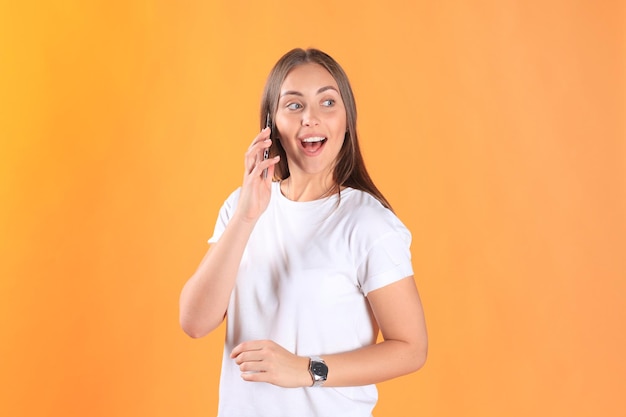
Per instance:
{"type": "Point", "coordinates": [318, 370]}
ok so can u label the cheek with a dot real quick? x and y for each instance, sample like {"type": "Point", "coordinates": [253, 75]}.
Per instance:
{"type": "Point", "coordinates": [341, 121]}
{"type": "Point", "coordinates": [281, 127]}
{"type": "Point", "coordinates": [282, 134]}
{"type": "Point", "coordinates": [341, 127]}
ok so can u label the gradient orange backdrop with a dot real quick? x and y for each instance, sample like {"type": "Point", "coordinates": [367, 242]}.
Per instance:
{"type": "Point", "coordinates": [497, 130]}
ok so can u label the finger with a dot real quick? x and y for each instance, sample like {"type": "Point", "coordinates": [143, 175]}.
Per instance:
{"type": "Point", "coordinates": [271, 168]}
{"type": "Point", "coordinates": [260, 166]}
{"type": "Point", "coordinates": [263, 134]}
{"type": "Point", "coordinates": [251, 156]}
{"type": "Point", "coordinates": [254, 377]}
{"type": "Point", "coordinates": [252, 366]}
{"type": "Point", "coordinates": [246, 347]}
{"type": "Point", "coordinates": [254, 155]}
{"type": "Point", "coordinates": [258, 146]}
{"type": "Point", "coordinates": [249, 356]}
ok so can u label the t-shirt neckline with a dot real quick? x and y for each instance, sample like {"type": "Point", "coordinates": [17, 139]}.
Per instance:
{"type": "Point", "coordinates": [332, 199]}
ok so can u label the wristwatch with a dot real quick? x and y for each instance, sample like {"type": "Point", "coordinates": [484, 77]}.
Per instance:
{"type": "Point", "coordinates": [318, 371]}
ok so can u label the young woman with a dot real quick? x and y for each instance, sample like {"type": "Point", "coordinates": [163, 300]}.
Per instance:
{"type": "Point", "coordinates": [307, 262]}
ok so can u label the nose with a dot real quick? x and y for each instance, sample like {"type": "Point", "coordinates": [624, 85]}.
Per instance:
{"type": "Point", "coordinates": [310, 117]}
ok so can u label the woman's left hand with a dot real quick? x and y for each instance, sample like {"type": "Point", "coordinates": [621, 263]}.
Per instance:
{"type": "Point", "coordinates": [266, 361]}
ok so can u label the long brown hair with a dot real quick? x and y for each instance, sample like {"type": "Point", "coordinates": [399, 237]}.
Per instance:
{"type": "Point", "coordinates": [349, 169]}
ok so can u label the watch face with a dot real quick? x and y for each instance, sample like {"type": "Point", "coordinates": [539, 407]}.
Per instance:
{"type": "Point", "coordinates": [319, 368]}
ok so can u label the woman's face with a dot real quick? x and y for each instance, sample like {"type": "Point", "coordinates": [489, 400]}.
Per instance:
{"type": "Point", "coordinates": [311, 119]}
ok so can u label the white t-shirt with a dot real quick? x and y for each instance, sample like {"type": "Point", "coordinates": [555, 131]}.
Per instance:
{"type": "Point", "coordinates": [302, 283]}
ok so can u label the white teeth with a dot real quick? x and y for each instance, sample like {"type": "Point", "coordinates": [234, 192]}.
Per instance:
{"type": "Point", "coordinates": [313, 139]}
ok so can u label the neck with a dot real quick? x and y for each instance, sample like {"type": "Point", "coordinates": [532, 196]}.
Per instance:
{"type": "Point", "coordinates": [307, 190]}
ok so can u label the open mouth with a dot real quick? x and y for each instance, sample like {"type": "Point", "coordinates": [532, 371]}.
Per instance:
{"type": "Point", "coordinates": [313, 144]}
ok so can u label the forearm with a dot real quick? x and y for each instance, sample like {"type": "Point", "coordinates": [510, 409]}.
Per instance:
{"type": "Point", "coordinates": [376, 363]}
{"type": "Point", "coordinates": [204, 298]}
{"type": "Point", "coordinates": [266, 361]}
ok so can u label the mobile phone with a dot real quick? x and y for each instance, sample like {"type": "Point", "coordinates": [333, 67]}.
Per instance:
{"type": "Point", "coordinates": [266, 152]}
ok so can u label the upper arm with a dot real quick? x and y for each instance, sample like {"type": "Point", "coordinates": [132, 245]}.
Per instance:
{"type": "Point", "coordinates": [398, 311]}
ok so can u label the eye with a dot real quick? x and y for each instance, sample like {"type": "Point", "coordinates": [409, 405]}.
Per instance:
{"type": "Point", "coordinates": [294, 106]}
{"type": "Point", "coordinates": [328, 103]}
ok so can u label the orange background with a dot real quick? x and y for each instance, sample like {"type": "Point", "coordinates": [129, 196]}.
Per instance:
{"type": "Point", "coordinates": [497, 130]}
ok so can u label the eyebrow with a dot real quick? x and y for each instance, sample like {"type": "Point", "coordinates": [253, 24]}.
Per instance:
{"type": "Point", "coordinates": [297, 93]}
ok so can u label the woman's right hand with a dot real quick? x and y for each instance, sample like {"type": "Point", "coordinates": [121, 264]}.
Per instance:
{"type": "Point", "coordinates": [257, 188]}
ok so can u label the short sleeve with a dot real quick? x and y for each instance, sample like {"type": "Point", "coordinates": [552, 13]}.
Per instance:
{"type": "Point", "coordinates": [225, 214]}
{"type": "Point", "coordinates": [388, 260]}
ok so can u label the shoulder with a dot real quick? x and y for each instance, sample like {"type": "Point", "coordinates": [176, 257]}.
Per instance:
{"type": "Point", "coordinates": [367, 215]}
